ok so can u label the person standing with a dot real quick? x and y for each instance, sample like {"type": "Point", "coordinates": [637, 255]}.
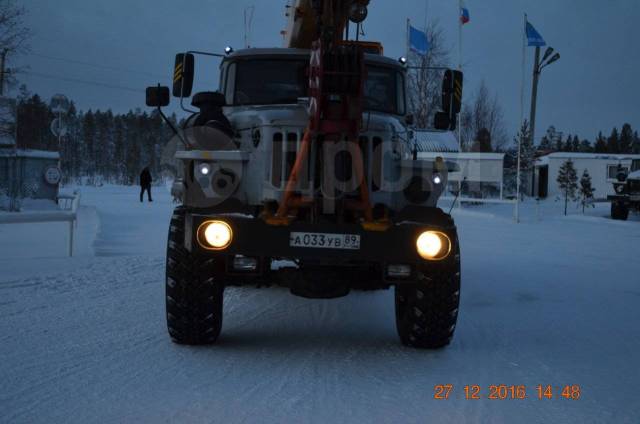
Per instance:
{"type": "Point", "coordinates": [145, 183]}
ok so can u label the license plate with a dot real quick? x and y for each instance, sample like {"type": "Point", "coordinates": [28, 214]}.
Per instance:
{"type": "Point", "coordinates": [325, 240]}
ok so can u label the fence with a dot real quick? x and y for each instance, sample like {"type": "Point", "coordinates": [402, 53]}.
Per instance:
{"type": "Point", "coordinates": [68, 213]}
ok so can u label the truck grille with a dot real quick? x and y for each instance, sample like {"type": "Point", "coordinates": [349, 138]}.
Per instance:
{"type": "Point", "coordinates": [634, 186]}
{"type": "Point", "coordinates": [285, 147]}
{"type": "Point", "coordinates": [286, 144]}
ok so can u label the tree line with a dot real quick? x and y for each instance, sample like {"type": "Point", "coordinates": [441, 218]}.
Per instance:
{"type": "Point", "coordinates": [624, 141]}
{"type": "Point", "coordinates": [99, 146]}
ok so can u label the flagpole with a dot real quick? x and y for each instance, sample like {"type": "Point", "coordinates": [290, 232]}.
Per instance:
{"type": "Point", "coordinates": [408, 39]}
{"type": "Point", "coordinates": [524, 49]}
{"type": "Point", "coordinates": [460, 35]}
{"type": "Point", "coordinates": [426, 16]}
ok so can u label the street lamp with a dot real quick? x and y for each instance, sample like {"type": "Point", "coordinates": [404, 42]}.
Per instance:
{"type": "Point", "coordinates": [550, 61]}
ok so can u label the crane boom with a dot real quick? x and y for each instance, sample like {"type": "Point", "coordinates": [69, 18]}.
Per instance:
{"type": "Point", "coordinates": [309, 19]}
{"type": "Point", "coordinates": [336, 86]}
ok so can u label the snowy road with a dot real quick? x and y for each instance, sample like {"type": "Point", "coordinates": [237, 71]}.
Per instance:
{"type": "Point", "coordinates": [555, 302]}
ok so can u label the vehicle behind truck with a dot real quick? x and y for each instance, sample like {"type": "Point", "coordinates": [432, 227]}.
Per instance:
{"type": "Point", "coordinates": [627, 189]}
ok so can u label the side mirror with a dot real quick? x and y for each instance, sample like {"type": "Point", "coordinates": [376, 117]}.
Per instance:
{"type": "Point", "coordinates": [157, 96]}
{"type": "Point", "coordinates": [183, 75]}
{"type": "Point", "coordinates": [452, 92]}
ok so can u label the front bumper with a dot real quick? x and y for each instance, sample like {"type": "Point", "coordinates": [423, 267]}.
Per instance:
{"type": "Point", "coordinates": [254, 238]}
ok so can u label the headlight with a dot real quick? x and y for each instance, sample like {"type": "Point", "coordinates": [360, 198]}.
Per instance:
{"type": "Point", "coordinates": [437, 179]}
{"type": "Point", "coordinates": [215, 235]}
{"type": "Point", "coordinates": [433, 245]}
{"type": "Point", "coordinates": [204, 169]}
{"type": "Point", "coordinates": [619, 188]}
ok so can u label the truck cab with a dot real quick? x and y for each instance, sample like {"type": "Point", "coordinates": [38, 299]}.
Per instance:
{"type": "Point", "coordinates": [266, 102]}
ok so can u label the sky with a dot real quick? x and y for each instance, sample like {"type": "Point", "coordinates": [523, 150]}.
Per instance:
{"type": "Point", "coordinates": [123, 46]}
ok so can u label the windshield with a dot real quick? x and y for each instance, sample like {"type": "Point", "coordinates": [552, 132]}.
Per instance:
{"type": "Point", "coordinates": [384, 90]}
{"type": "Point", "coordinates": [261, 82]}
{"type": "Point", "coordinates": [284, 81]}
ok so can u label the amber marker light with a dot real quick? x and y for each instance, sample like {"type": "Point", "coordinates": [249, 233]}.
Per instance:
{"type": "Point", "coordinates": [215, 235]}
{"type": "Point", "coordinates": [433, 245]}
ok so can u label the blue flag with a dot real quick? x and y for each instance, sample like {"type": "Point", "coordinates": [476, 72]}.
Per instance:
{"type": "Point", "coordinates": [418, 41]}
{"type": "Point", "coordinates": [534, 37]}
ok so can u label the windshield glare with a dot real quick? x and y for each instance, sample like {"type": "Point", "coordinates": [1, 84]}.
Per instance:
{"type": "Point", "coordinates": [263, 82]}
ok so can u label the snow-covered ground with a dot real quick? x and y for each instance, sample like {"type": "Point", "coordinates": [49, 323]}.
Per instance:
{"type": "Point", "coordinates": [554, 301]}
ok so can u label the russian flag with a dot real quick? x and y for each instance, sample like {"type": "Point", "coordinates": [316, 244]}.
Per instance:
{"type": "Point", "coordinates": [464, 14]}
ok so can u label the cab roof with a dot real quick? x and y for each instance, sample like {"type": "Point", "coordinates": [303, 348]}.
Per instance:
{"type": "Point", "coordinates": [288, 52]}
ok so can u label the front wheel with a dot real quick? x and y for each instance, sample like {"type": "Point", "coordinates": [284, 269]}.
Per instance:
{"type": "Point", "coordinates": [193, 291]}
{"type": "Point", "coordinates": [427, 310]}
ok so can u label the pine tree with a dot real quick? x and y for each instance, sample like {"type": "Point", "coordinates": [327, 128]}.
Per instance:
{"type": "Point", "coordinates": [559, 144]}
{"type": "Point", "coordinates": [626, 139]}
{"type": "Point", "coordinates": [601, 144]}
{"type": "Point", "coordinates": [570, 145]}
{"type": "Point", "coordinates": [585, 146]}
{"type": "Point", "coordinates": [90, 156]}
{"type": "Point", "coordinates": [545, 144]}
{"type": "Point", "coordinates": [636, 143]}
{"type": "Point", "coordinates": [34, 122]}
{"type": "Point", "coordinates": [567, 181]}
{"type": "Point", "coordinates": [119, 154]}
{"type": "Point", "coordinates": [527, 153]}
{"type": "Point", "coordinates": [586, 190]}
{"type": "Point", "coordinates": [482, 141]}
{"type": "Point", "coordinates": [613, 145]}
{"type": "Point", "coordinates": [575, 144]}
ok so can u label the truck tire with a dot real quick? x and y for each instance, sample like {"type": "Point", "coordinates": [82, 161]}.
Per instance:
{"type": "Point", "coordinates": [193, 293]}
{"type": "Point", "coordinates": [619, 211]}
{"type": "Point", "coordinates": [427, 310]}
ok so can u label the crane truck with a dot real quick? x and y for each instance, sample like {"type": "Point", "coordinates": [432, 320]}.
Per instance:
{"type": "Point", "coordinates": [303, 157]}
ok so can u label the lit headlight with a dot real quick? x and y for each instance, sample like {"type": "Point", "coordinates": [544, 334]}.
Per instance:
{"type": "Point", "coordinates": [215, 235]}
{"type": "Point", "coordinates": [437, 179]}
{"type": "Point", "coordinates": [433, 245]}
{"type": "Point", "coordinates": [204, 169]}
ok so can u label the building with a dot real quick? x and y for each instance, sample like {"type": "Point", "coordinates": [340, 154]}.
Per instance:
{"type": "Point", "coordinates": [602, 167]}
{"type": "Point", "coordinates": [33, 174]}
{"type": "Point", "coordinates": [482, 173]}
{"type": "Point", "coordinates": [435, 141]}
